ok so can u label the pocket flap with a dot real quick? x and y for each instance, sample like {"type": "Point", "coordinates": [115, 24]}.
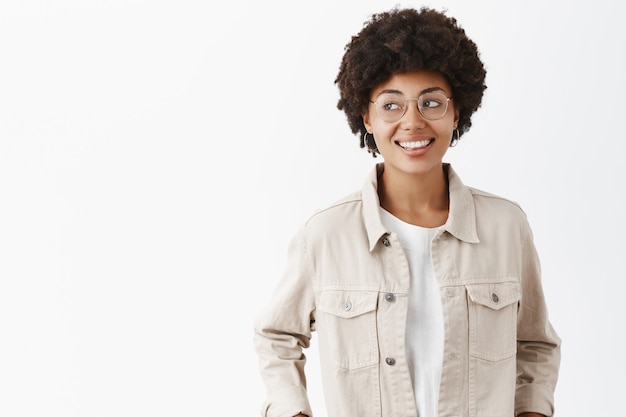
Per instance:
{"type": "Point", "coordinates": [494, 295]}
{"type": "Point", "coordinates": [347, 304]}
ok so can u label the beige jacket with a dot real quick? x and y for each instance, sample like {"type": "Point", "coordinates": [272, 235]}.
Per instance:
{"type": "Point", "coordinates": [348, 278]}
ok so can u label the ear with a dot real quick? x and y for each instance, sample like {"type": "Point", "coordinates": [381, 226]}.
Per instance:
{"type": "Point", "coordinates": [366, 121]}
{"type": "Point", "coordinates": [456, 117]}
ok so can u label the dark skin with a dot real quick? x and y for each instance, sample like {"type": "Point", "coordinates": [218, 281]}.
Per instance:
{"type": "Point", "coordinates": [413, 185]}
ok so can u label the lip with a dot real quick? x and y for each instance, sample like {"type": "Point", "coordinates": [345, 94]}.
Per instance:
{"type": "Point", "coordinates": [415, 146]}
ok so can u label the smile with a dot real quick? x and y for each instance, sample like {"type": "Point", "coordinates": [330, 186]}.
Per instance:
{"type": "Point", "coordinates": [415, 145]}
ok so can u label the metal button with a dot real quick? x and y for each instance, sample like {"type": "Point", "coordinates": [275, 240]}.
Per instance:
{"type": "Point", "coordinates": [386, 242]}
{"type": "Point", "coordinates": [390, 297]}
{"type": "Point", "coordinates": [390, 361]}
{"type": "Point", "coordinates": [347, 306]}
{"type": "Point", "coordinates": [494, 297]}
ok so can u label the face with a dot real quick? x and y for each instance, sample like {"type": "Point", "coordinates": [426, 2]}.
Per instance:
{"type": "Point", "coordinates": [413, 144]}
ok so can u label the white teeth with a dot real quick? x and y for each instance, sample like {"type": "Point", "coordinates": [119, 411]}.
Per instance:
{"type": "Point", "coordinates": [414, 145]}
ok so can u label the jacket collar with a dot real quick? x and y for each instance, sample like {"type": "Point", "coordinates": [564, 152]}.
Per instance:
{"type": "Point", "coordinates": [461, 222]}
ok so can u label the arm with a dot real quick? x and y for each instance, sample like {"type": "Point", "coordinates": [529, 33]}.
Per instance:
{"type": "Point", "coordinates": [538, 345]}
{"type": "Point", "coordinates": [281, 332]}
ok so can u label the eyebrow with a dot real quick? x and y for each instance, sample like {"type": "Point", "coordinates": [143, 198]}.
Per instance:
{"type": "Point", "coordinates": [424, 91]}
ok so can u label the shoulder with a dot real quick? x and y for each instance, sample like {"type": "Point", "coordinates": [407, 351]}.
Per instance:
{"type": "Point", "coordinates": [485, 203]}
{"type": "Point", "coordinates": [334, 228]}
{"type": "Point", "coordinates": [341, 212]}
{"type": "Point", "coordinates": [498, 210]}
{"type": "Point", "coordinates": [497, 201]}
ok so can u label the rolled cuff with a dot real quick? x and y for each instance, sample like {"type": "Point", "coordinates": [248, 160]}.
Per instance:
{"type": "Point", "coordinates": [534, 398]}
{"type": "Point", "coordinates": [288, 403]}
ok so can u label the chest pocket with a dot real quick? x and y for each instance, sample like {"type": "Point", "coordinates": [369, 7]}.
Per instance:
{"type": "Point", "coordinates": [493, 319]}
{"type": "Point", "coordinates": [346, 326]}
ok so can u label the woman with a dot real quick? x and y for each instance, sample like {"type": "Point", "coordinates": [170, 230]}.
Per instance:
{"type": "Point", "coordinates": [425, 294]}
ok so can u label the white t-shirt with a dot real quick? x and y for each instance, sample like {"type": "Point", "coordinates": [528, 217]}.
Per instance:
{"type": "Point", "coordinates": [424, 327]}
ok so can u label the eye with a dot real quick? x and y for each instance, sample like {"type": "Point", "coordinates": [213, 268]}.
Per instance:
{"type": "Point", "coordinates": [391, 105]}
{"type": "Point", "coordinates": [431, 103]}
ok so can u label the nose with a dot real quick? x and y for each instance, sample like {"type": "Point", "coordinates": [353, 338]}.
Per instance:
{"type": "Point", "coordinates": [413, 117]}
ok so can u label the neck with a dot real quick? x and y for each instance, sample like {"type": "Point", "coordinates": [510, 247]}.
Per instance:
{"type": "Point", "coordinates": [421, 199]}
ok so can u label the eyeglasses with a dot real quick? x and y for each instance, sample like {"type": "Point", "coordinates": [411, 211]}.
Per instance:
{"type": "Point", "coordinates": [392, 106]}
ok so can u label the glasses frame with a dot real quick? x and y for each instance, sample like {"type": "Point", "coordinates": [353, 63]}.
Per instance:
{"type": "Point", "coordinates": [419, 108]}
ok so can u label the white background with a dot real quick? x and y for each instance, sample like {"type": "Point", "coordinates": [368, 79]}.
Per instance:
{"type": "Point", "coordinates": [157, 156]}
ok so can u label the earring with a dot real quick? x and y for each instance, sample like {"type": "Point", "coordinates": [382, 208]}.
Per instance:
{"type": "Point", "coordinates": [456, 136]}
{"type": "Point", "coordinates": [369, 143]}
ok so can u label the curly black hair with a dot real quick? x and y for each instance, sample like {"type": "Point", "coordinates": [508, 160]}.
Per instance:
{"type": "Point", "coordinates": [405, 40]}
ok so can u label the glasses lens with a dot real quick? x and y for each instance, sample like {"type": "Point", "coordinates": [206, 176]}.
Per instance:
{"type": "Point", "coordinates": [390, 107]}
{"type": "Point", "coordinates": [432, 105]}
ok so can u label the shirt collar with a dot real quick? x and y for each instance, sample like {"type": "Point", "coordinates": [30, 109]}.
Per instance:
{"type": "Point", "coordinates": [461, 221]}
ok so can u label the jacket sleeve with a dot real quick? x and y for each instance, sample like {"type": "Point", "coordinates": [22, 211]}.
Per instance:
{"type": "Point", "coordinates": [281, 331]}
{"type": "Point", "coordinates": [538, 345]}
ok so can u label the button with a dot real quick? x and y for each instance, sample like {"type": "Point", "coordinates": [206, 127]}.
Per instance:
{"type": "Point", "coordinates": [494, 297]}
{"type": "Point", "coordinates": [386, 242]}
{"type": "Point", "coordinates": [390, 361]}
{"type": "Point", "coordinates": [390, 297]}
{"type": "Point", "coordinates": [347, 306]}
